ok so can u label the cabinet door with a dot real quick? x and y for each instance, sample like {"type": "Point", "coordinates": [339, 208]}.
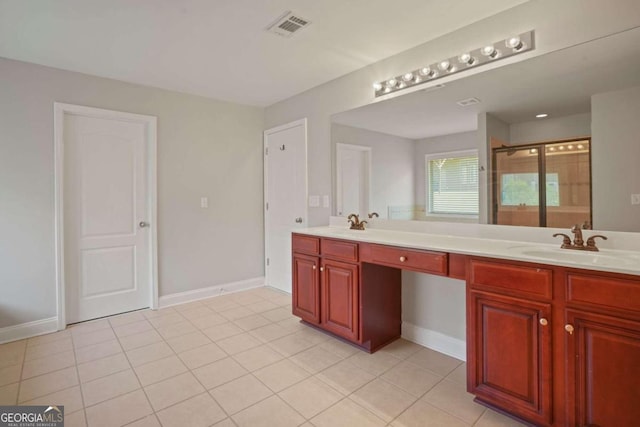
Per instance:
{"type": "Point", "coordinates": [509, 354]}
{"type": "Point", "coordinates": [340, 306]}
{"type": "Point", "coordinates": [306, 292]}
{"type": "Point", "coordinates": [604, 362]}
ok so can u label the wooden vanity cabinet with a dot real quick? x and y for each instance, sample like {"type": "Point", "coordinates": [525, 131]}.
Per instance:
{"type": "Point", "coordinates": [340, 299]}
{"type": "Point", "coordinates": [306, 287]}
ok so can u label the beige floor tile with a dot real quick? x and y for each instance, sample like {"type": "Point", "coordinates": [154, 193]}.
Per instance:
{"type": "Point", "coordinates": [314, 335]}
{"type": "Point", "coordinates": [9, 394]}
{"type": "Point", "coordinates": [402, 348]}
{"type": "Point", "coordinates": [238, 343]}
{"type": "Point", "coordinates": [159, 370]}
{"type": "Point", "coordinates": [10, 374]}
{"type": "Point", "coordinates": [227, 422]}
{"type": "Point", "coordinates": [48, 349]}
{"type": "Point", "coordinates": [140, 340]}
{"type": "Point", "coordinates": [12, 353]}
{"type": "Point", "coordinates": [188, 306]}
{"type": "Point", "coordinates": [291, 344]}
{"type": "Point", "coordinates": [44, 365]}
{"type": "Point", "coordinates": [339, 348]}
{"type": "Point", "coordinates": [93, 337]}
{"type": "Point", "coordinates": [119, 411]}
{"type": "Point", "coordinates": [201, 356]}
{"type": "Point", "coordinates": [219, 304]}
{"type": "Point", "coordinates": [220, 372]}
{"type": "Point", "coordinates": [258, 357]}
{"type": "Point", "coordinates": [383, 399]}
{"type": "Point", "coordinates": [95, 369]}
{"type": "Point", "coordinates": [236, 313]}
{"type": "Point", "coordinates": [188, 341]}
{"type": "Point", "coordinates": [176, 329]}
{"type": "Point", "coordinates": [222, 331]}
{"type": "Point", "coordinates": [277, 314]}
{"type": "Point", "coordinates": [254, 321]}
{"type": "Point", "coordinates": [166, 320]}
{"type": "Point", "coordinates": [98, 351]}
{"type": "Point", "coordinates": [148, 421]}
{"type": "Point", "coordinates": [246, 298]}
{"type": "Point", "coordinates": [108, 387]}
{"type": "Point", "coordinates": [347, 413]}
{"type": "Point", "coordinates": [439, 363]}
{"type": "Point", "coordinates": [126, 318]}
{"type": "Point", "coordinates": [149, 353]}
{"type": "Point", "coordinates": [173, 390]}
{"type": "Point", "coordinates": [198, 411]}
{"type": "Point", "coordinates": [493, 419]}
{"type": "Point", "coordinates": [240, 393]}
{"type": "Point", "coordinates": [291, 324]}
{"type": "Point", "coordinates": [155, 314]}
{"type": "Point", "coordinates": [262, 306]}
{"type": "Point", "coordinates": [70, 398]}
{"type": "Point", "coordinates": [376, 363]}
{"type": "Point", "coordinates": [315, 359]}
{"type": "Point", "coordinates": [208, 321]}
{"type": "Point", "coordinates": [452, 398]}
{"type": "Point", "coordinates": [281, 300]}
{"type": "Point", "coordinates": [281, 375]}
{"type": "Point", "coordinates": [47, 384]}
{"type": "Point", "coordinates": [46, 338]}
{"type": "Point", "coordinates": [459, 375]}
{"type": "Point", "coordinates": [197, 312]}
{"type": "Point", "coordinates": [345, 377]}
{"type": "Point", "coordinates": [76, 419]}
{"type": "Point", "coordinates": [310, 397]}
{"type": "Point", "coordinates": [411, 378]}
{"type": "Point", "coordinates": [269, 332]}
{"type": "Point", "coordinates": [90, 326]}
{"type": "Point", "coordinates": [424, 415]}
{"type": "Point", "coordinates": [132, 328]}
{"type": "Point", "coordinates": [268, 413]}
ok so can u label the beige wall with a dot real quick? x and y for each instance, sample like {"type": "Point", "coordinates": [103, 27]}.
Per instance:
{"type": "Point", "coordinates": [205, 148]}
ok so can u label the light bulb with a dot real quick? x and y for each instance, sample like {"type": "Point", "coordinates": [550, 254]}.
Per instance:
{"type": "Point", "coordinates": [533, 151]}
{"type": "Point", "coordinates": [391, 83]}
{"type": "Point", "coordinates": [445, 65]}
{"type": "Point", "coordinates": [466, 59]}
{"type": "Point", "coordinates": [561, 148]}
{"type": "Point", "coordinates": [489, 51]}
{"type": "Point", "coordinates": [417, 79]}
{"type": "Point", "coordinates": [514, 43]}
{"type": "Point", "coordinates": [377, 86]}
{"type": "Point", "coordinates": [428, 72]}
{"type": "Point", "coordinates": [580, 146]}
{"type": "Point", "coordinates": [541, 115]}
{"type": "Point", "coordinates": [401, 85]}
{"type": "Point", "coordinates": [552, 148]}
{"type": "Point", "coordinates": [407, 77]}
{"type": "Point", "coordinates": [570, 147]}
{"type": "Point", "coordinates": [387, 89]}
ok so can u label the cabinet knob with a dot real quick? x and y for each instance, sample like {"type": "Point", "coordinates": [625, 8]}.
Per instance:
{"type": "Point", "coordinates": [314, 267]}
{"type": "Point", "coordinates": [569, 328]}
{"type": "Point", "coordinates": [544, 322]}
{"type": "Point", "coordinates": [321, 268]}
{"type": "Point", "coordinates": [403, 259]}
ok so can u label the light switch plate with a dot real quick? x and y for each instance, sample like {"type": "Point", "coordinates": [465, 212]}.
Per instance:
{"type": "Point", "coordinates": [325, 201]}
{"type": "Point", "coordinates": [314, 201]}
{"type": "Point", "coordinates": [635, 199]}
{"type": "Point", "coordinates": [204, 202]}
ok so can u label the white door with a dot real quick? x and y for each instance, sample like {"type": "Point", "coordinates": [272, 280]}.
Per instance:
{"type": "Point", "coordinates": [285, 197]}
{"type": "Point", "coordinates": [106, 217]}
{"type": "Point", "coordinates": [353, 165]}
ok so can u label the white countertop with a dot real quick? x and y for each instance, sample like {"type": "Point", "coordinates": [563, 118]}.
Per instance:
{"type": "Point", "coordinates": [616, 261]}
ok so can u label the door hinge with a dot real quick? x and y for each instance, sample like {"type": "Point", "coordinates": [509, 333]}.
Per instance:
{"type": "Point", "coordinates": [266, 151]}
{"type": "Point", "coordinates": [267, 262]}
{"type": "Point", "coordinates": [267, 206]}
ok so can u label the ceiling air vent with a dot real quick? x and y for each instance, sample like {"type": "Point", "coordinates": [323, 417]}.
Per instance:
{"type": "Point", "coordinates": [287, 24]}
{"type": "Point", "coordinates": [468, 101]}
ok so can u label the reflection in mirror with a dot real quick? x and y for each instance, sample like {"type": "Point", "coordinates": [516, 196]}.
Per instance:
{"type": "Point", "coordinates": [588, 94]}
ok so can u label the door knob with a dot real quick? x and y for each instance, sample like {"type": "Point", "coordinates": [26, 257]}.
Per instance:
{"type": "Point", "coordinates": [403, 258]}
{"type": "Point", "coordinates": [299, 220]}
{"type": "Point", "coordinates": [143, 224]}
{"type": "Point", "coordinates": [569, 328]}
{"type": "Point", "coordinates": [544, 322]}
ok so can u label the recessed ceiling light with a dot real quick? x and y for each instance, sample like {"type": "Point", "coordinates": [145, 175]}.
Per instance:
{"type": "Point", "coordinates": [542, 115]}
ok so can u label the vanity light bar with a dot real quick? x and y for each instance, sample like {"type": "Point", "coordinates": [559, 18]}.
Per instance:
{"type": "Point", "coordinates": [503, 49]}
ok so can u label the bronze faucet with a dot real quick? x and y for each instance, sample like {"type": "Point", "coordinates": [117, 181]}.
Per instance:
{"type": "Point", "coordinates": [373, 215]}
{"type": "Point", "coordinates": [355, 222]}
{"type": "Point", "coordinates": [578, 242]}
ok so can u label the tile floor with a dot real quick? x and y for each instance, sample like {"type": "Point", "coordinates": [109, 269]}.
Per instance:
{"type": "Point", "coordinates": [235, 360]}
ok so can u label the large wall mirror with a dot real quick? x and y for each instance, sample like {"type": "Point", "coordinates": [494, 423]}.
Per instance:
{"type": "Point", "coordinates": [473, 150]}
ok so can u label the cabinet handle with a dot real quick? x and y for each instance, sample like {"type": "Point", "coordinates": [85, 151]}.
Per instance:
{"type": "Point", "coordinates": [321, 268]}
{"type": "Point", "coordinates": [544, 322]}
{"type": "Point", "coordinates": [403, 259]}
{"type": "Point", "coordinates": [569, 328]}
{"type": "Point", "coordinates": [314, 267]}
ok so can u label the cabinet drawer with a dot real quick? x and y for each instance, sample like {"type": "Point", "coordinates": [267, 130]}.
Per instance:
{"type": "Point", "coordinates": [305, 244]}
{"type": "Point", "coordinates": [339, 249]}
{"type": "Point", "coordinates": [606, 292]}
{"type": "Point", "coordinates": [511, 279]}
{"type": "Point", "coordinates": [408, 259]}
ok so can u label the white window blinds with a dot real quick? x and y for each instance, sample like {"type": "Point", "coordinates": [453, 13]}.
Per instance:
{"type": "Point", "coordinates": [452, 183]}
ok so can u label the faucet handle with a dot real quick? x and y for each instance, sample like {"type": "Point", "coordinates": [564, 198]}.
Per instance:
{"type": "Point", "coordinates": [373, 215]}
{"type": "Point", "coordinates": [591, 241]}
{"type": "Point", "coordinates": [566, 240]}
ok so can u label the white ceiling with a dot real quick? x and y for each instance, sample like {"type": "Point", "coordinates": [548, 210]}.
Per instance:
{"type": "Point", "coordinates": [219, 48]}
{"type": "Point", "coordinates": [559, 83]}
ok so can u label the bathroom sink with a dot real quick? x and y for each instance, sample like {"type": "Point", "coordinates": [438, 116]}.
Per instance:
{"type": "Point", "coordinates": [603, 258]}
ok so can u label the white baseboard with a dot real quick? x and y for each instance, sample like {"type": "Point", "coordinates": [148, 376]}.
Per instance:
{"type": "Point", "coordinates": [211, 291]}
{"type": "Point", "coordinates": [435, 341]}
{"type": "Point", "coordinates": [28, 330]}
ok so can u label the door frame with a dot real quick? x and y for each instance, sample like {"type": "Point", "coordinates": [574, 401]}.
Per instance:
{"type": "Point", "coordinates": [150, 122]}
{"type": "Point", "coordinates": [368, 174]}
{"type": "Point", "coordinates": [266, 134]}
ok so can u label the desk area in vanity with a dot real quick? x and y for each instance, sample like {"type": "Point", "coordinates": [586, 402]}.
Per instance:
{"type": "Point", "coordinates": [553, 339]}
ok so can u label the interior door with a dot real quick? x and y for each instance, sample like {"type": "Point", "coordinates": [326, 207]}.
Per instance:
{"type": "Point", "coordinates": [352, 179]}
{"type": "Point", "coordinates": [285, 197]}
{"type": "Point", "coordinates": [107, 249]}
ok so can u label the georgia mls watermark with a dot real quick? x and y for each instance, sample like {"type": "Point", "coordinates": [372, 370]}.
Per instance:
{"type": "Point", "coordinates": [32, 416]}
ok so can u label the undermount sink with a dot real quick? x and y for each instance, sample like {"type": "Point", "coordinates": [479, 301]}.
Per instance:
{"type": "Point", "coordinates": [608, 258]}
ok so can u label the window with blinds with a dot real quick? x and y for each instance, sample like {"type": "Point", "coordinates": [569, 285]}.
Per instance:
{"type": "Point", "coordinates": [452, 183]}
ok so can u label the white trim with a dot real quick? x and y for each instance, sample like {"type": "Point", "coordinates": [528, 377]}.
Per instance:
{"type": "Point", "coordinates": [211, 291]}
{"type": "Point", "coordinates": [368, 151]}
{"type": "Point", "coordinates": [28, 330]}
{"type": "Point", "coordinates": [435, 341]}
{"type": "Point", "coordinates": [266, 133]}
{"type": "Point", "coordinates": [59, 111]}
